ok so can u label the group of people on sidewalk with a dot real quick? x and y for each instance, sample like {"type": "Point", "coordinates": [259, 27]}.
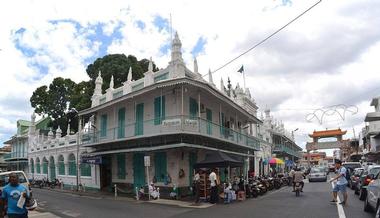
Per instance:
{"type": "Point", "coordinates": [214, 182]}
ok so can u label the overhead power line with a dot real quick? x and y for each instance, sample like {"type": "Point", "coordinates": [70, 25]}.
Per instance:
{"type": "Point", "coordinates": [265, 39]}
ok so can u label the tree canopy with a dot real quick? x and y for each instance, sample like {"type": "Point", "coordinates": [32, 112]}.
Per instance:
{"type": "Point", "coordinates": [63, 94]}
{"type": "Point", "coordinates": [117, 65]}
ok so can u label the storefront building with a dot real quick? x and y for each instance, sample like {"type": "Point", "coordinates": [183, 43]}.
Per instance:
{"type": "Point", "coordinates": [175, 117]}
{"type": "Point", "coordinates": [17, 159]}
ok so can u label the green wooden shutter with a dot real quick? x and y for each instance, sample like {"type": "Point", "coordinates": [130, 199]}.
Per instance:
{"type": "Point", "coordinates": [160, 166]}
{"type": "Point", "coordinates": [85, 169]}
{"type": "Point", "coordinates": [32, 166]}
{"type": "Point", "coordinates": [38, 166]}
{"type": "Point", "coordinates": [52, 170]}
{"type": "Point", "coordinates": [139, 125]}
{"type": "Point", "coordinates": [138, 170]}
{"type": "Point", "coordinates": [159, 114]}
{"type": "Point", "coordinates": [120, 166]}
{"type": "Point", "coordinates": [121, 123]}
{"type": "Point", "coordinates": [44, 167]}
{"type": "Point", "coordinates": [61, 166]}
{"type": "Point", "coordinates": [193, 108]}
{"type": "Point", "coordinates": [72, 166]}
{"type": "Point", "coordinates": [103, 125]}
{"type": "Point", "coordinates": [209, 121]}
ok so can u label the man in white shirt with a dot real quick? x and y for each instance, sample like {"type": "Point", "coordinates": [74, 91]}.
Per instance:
{"type": "Point", "coordinates": [341, 182]}
{"type": "Point", "coordinates": [214, 189]}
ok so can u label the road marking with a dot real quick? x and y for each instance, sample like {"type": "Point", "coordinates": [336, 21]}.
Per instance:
{"type": "Point", "coordinates": [339, 206]}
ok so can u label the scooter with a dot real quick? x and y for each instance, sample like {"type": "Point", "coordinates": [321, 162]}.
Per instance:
{"type": "Point", "coordinates": [298, 188]}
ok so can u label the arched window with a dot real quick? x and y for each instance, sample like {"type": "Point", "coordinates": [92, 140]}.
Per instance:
{"type": "Point", "coordinates": [38, 165]}
{"type": "Point", "coordinates": [31, 165]}
{"type": "Point", "coordinates": [61, 165]}
{"type": "Point", "coordinates": [52, 168]}
{"type": "Point", "coordinates": [72, 165]}
{"type": "Point", "coordinates": [44, 166]}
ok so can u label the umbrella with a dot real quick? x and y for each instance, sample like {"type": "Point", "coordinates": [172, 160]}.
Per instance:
{"type": "Point", "coordinates": [276, 161]}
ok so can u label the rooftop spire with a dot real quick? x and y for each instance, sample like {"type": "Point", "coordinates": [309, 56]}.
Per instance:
{"type": "Point", "coordinates": [111, 82]}
{"type": "Point", "coordinates": [195, 65]}
{"type": "Point", "coordinates": [210, 80]}
{"type": "Point", "coordinates": [99, 79]}
{"type": "Point", "coordinates": [150, 67]}
{"type": "Point", "coordinates": [129, 77]}
{"type": "Point", "coordinates": [176, 48]}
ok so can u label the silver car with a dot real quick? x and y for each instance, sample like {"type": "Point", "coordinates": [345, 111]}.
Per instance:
{"type": "Point", "coordinates": [372, 200]}
{"type": "Point", "coordinates": [317, 174]}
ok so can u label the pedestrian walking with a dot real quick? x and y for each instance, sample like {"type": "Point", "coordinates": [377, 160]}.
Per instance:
{"type": "Point", "coordinates": [214, 188]}
{"type": "Point", "coordinates": [11, 197]}
{"type": "Point", "coordinates": [196, 185]}
{"type": "Point", "coordinates": [341, 183]}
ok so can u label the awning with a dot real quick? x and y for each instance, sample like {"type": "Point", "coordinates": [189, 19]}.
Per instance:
{"type": "Point", "coordinates": [373, 116]}
{"type": "Point", "coordinates": [218, 159]}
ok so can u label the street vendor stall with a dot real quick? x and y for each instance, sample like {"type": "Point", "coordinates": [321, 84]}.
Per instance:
{"type": "Point", "coordinates": [216, 159]}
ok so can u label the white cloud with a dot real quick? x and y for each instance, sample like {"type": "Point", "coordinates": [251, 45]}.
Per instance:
{"type": "Point", "coordinates": [329, 56]}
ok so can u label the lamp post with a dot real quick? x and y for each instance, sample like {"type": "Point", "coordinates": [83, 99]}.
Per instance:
{"type": "Point", "coordinates": [74, 113]}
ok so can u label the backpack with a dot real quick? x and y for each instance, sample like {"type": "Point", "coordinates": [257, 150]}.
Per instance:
{"type": "Point", "coordinates": [348, 177]}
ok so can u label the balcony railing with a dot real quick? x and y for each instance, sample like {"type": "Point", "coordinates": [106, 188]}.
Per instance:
{"type": "Point", "coordinates": [282, 148]}
{"type": "Point", "coordinates": [171, 125]}
{"type": "Point", "coordinates": [14, 155]}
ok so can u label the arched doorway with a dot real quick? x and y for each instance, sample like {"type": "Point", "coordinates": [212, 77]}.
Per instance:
{"type": "Point", "coordinates": [52, 168]}
{"type": "Point", "coordinates": [32, 165]}
{"type": "Point", "coordinates": [45, 166]}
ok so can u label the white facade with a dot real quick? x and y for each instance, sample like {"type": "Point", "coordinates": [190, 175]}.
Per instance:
{"type": "Point", "coordinates": [175, 117]}
{"type": "Point", "coordinates": [55, 157]}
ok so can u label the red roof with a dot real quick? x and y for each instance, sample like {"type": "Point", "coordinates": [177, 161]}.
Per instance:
{"type": "Point", "coordinates": [327, 133]}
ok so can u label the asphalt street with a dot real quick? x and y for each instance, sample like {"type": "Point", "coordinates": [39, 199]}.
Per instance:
{"type": "Point", "coordinates": [313, 202]}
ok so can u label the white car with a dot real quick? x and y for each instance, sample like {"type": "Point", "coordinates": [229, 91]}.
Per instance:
{"type": "Point", "coordinates": [318, 174]}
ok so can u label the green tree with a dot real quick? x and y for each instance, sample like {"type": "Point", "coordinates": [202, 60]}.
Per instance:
{"type": "Point", "coordinates": [64, 94]}
{"type": "Point", "coordinates": [117, 65]}
{"type": "Point", "coordinates": [54, 101]}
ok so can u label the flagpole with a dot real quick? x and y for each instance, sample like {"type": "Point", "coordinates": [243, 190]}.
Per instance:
{"type": "Point", "coordinates": [244, 79]}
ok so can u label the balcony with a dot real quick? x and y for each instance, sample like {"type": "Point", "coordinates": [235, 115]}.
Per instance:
{"type": "Point", "coordinates": [15, 155]}
{"type": "Point", "coordinates": [171, 127]}
{"type": "Point", "coordinates": [284, 149]}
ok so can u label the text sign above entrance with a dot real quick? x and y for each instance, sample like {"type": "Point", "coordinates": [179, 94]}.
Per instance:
{"type": "Point", "coordinates": [92, 160]}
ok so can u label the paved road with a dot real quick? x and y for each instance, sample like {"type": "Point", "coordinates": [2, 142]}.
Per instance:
{"type": "Point", "coordinates": [314, 202]}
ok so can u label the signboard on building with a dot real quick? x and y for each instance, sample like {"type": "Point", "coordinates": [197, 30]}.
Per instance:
{"type": "Point", "coordinates": [147, 161]}
{"type": "Point", "coordinates": [92, 160]}
{"type": "Point", "coordinates": [171, 122]}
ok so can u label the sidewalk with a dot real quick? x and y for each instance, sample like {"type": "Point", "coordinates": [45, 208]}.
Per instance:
{"type": "Point", "coordinates": [123, 197]}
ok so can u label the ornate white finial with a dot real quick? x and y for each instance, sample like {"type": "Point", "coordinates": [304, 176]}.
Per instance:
{"type": "Point", "coordinates": [221, 84]}
{"type": "Point", "coordinates": [195, 65]}
{"type": "Point", "coordinates": [176, 48]}
{"type": "Point", "coordinates": [150, 67]}
{"type": "Point", "coordinates": [33, 117]}
{"type": "Point", "coordinates": [50, 134]}
{"type": "Point", "coordinates": [58, 132]}
{"type": "Point", "coordinates": [111, 82]}
{"type": "Point", "coordinates": [68, 131]}
{"type": "Point", "coordinates": [129, 78]}
{"type": "Point", "coordinates": [99, 79]}
{"type": "Point", "coordinates": [210, 80]}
